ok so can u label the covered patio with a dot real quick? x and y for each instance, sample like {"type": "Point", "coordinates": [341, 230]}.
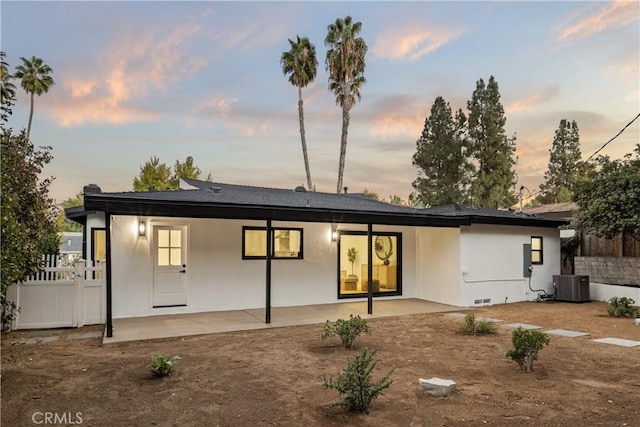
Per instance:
{"type": "Point", "coordinates": [177, 325]}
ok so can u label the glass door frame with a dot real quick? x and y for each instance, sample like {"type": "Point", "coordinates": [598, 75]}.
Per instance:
{"type": "Point", "coordinates": [398, 254]}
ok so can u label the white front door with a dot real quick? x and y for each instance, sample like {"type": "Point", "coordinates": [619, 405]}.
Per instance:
{"type": "Point", "coordinates": [169, 266]}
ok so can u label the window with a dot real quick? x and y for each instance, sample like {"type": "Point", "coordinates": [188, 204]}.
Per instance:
{"type": "Point", "coordinates": [536, 250]}
{"type": "Point", "coordinates": [286, 243]}
{"type": "Point", "coordinates": [353, 267]}
{"type": "Point", "coordinates": [169, 247]}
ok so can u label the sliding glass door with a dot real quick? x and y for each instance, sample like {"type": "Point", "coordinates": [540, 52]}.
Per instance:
{"type": "Point", "coordinates": [353, 277]}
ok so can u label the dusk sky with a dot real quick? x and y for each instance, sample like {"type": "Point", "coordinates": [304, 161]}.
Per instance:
{"type": "Point", "coordinates": [203, 79]}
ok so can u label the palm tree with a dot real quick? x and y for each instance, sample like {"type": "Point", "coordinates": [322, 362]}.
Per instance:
{"type": "Point", "coordinates": [35, 80]}
{"type": "Point", "coordinates": [300, 64]}
{"type": "Point", "coordinates": [345, 64]}
{"type": "Point", "coordinates": [7, 89]}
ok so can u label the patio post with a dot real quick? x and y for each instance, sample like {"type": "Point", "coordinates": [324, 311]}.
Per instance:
{"type": "Point", "coordinates": [370, 268]}
{"type": "Point", "coordinates": [107, 272]}
{"type": "Point", "coordinates": [267, 316]}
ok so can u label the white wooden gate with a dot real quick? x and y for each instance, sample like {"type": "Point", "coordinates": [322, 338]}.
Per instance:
{"type": "Point", "coordinates": [61, 296]}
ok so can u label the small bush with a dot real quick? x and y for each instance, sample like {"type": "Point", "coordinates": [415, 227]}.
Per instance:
{"type": "Point", "coordinates": [621, 307]}
{"type": "Point", "coordinates": [347, 330]}
{"type": "Point", "coordinates": [474, 327]}
{"type": "Point", "coordinates": [527, 344]}
{"type": "Point", "coordinates": [355, 384]}
{"type": "Point", "coordinates": [162, 366]}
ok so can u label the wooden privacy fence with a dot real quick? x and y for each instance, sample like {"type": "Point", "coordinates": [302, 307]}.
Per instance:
{"type": "Point", "coordinates": [61, 296]}
{"type": "Point", "coordinates": [621, 246]}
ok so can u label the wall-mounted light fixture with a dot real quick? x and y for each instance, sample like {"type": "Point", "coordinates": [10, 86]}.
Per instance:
{"type": "Point", "coordinates": [334, 233]}
{"type": "Point", "coordinates": [142, 228]}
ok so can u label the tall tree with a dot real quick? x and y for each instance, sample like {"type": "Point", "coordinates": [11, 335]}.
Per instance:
{"type": "Point", "coordinates": [564, 165]}
{"type": "Point", "coordinates": [493, 152]}
{"type": "Point", "coordinates": [7, 89]}
{"type": "Point", "coordinates": [609, 198]}
{"type": "Point", "coordinates": [186, 169]}
{"type": "Point", "coordinates": [345, 63]}
{"type": "Point", "coordinates": [370, 194]}
{"type": "Point", "coordinates": [28, 214]}
{"type": "Point", "coordinates": [443, 167]}
{"type": "Point", "coordinates": [154, 176]}
{"type": "Point", "coordinates": [301, 65]}
{"type": "Point", "coordinates": [62, 222]}
{"type": "Point", "coordinates": [35, 80]}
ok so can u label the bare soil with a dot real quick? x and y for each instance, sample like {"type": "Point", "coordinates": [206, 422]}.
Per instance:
{"type": "Point", "coordinates": [274, 376]}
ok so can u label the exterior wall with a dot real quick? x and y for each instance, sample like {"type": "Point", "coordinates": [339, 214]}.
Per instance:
{"type": "Point", "coordinates": [217, 276]}
{"type": "Point", "coordinates": [491, 259]}
{"type": "Point", "coordinates": [603, 291]}
{"type": "Point", "coordinates": [438, 264]}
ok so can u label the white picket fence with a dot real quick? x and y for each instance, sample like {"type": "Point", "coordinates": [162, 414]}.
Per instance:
{"type": "Point", "coordinates": [61, 296]}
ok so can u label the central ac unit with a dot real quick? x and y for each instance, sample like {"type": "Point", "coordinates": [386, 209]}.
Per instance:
{"type": "Point", "coordinates": [571, 288]}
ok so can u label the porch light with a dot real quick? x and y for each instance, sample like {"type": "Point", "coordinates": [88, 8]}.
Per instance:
{"type": "Point", "coordinates": [334, 233]}
{"type": "Point", "coordinates": [142, 228]}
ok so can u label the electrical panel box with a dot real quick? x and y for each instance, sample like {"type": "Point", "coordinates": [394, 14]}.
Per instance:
{"type": "Point", "coordinates": [526, 260]}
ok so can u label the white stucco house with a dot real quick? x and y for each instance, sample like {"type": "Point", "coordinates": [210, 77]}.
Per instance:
{"type": "Point", "coordinates": [205, 248]}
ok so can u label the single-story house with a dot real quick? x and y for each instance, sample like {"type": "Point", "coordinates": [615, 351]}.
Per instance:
{"type": "Point", "coordinates": [214, 246]}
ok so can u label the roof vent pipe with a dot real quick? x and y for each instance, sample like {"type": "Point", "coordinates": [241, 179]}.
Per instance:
{"type": "Point", "coordinates": [346, 189]}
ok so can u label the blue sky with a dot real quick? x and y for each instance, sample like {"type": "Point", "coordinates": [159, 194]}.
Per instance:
{"type": "Point", "coordinates": [173, 79]}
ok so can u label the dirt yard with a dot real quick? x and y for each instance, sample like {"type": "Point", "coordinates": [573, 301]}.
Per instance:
{"type": "Point", "coordinates": [274, 377]}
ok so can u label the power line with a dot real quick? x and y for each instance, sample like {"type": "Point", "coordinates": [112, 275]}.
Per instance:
{"type": "Point", "coordinates": [617, 135]}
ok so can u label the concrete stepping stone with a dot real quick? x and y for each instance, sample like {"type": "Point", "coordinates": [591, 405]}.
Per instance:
{"type": "Point", "coordinates": [567, 333]}
{"type": "Point", "coordinates": [523, 326]}
{"type": "Point", "coordinates": [619, 341]}
{"type": "Point", "coordinates": [457, 315]}
{"type": "Point", "coordinates": [490, 319]}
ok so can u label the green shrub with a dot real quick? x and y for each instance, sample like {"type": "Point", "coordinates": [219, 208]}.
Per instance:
{"type": "Point", "coordinates": [162, 366]}
{"type": "Point", "coordinates": [347, 330]}
{"type": "Point", "coordinates": [621, 307]}
{"type": "Point", "coordinates": [355, 384]}
{"type": "Point", "coordinates": [474, 327]}
{"type": "Point", "coordinates": [527, 344]}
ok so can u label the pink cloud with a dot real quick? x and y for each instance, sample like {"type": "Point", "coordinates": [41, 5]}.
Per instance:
{"type": "Point", "coordinates": [134, 66]}
{"type": "Point", "coordinates": [613, 15]}
{"type": "Point", "coordinates": [411, 43]}
{"type": "Point", "coordinates": [531, 101]}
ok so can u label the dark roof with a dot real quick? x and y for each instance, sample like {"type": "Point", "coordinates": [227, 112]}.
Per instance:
{"type": "Point", "coordinates": [220, 200]}
{"type": "Point", "coordinates": [489, 216]}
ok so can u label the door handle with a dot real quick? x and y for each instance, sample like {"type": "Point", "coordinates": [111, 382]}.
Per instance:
{"type": "Point", "coordinates": [183, 271]}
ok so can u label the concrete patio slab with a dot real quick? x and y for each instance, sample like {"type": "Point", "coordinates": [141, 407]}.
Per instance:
{"type": "Point", "coordinates": [83, 336]}
{"type": "Point", "coordinates": [166, 326]}
{"type": "Point", "coordinates": [523, 326]}
{"type": "Point", "coordinates": [619, 342]}
{"type": "Point", "coordinates": [567, 333]}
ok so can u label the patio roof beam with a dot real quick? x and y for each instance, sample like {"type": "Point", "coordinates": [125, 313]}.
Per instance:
{"type": "Point", "coordinates": [109, 300]}
{"type": "Point", "coordinates": [370, 268]}
{"type": "Point", "coordinates": [267, 311]}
